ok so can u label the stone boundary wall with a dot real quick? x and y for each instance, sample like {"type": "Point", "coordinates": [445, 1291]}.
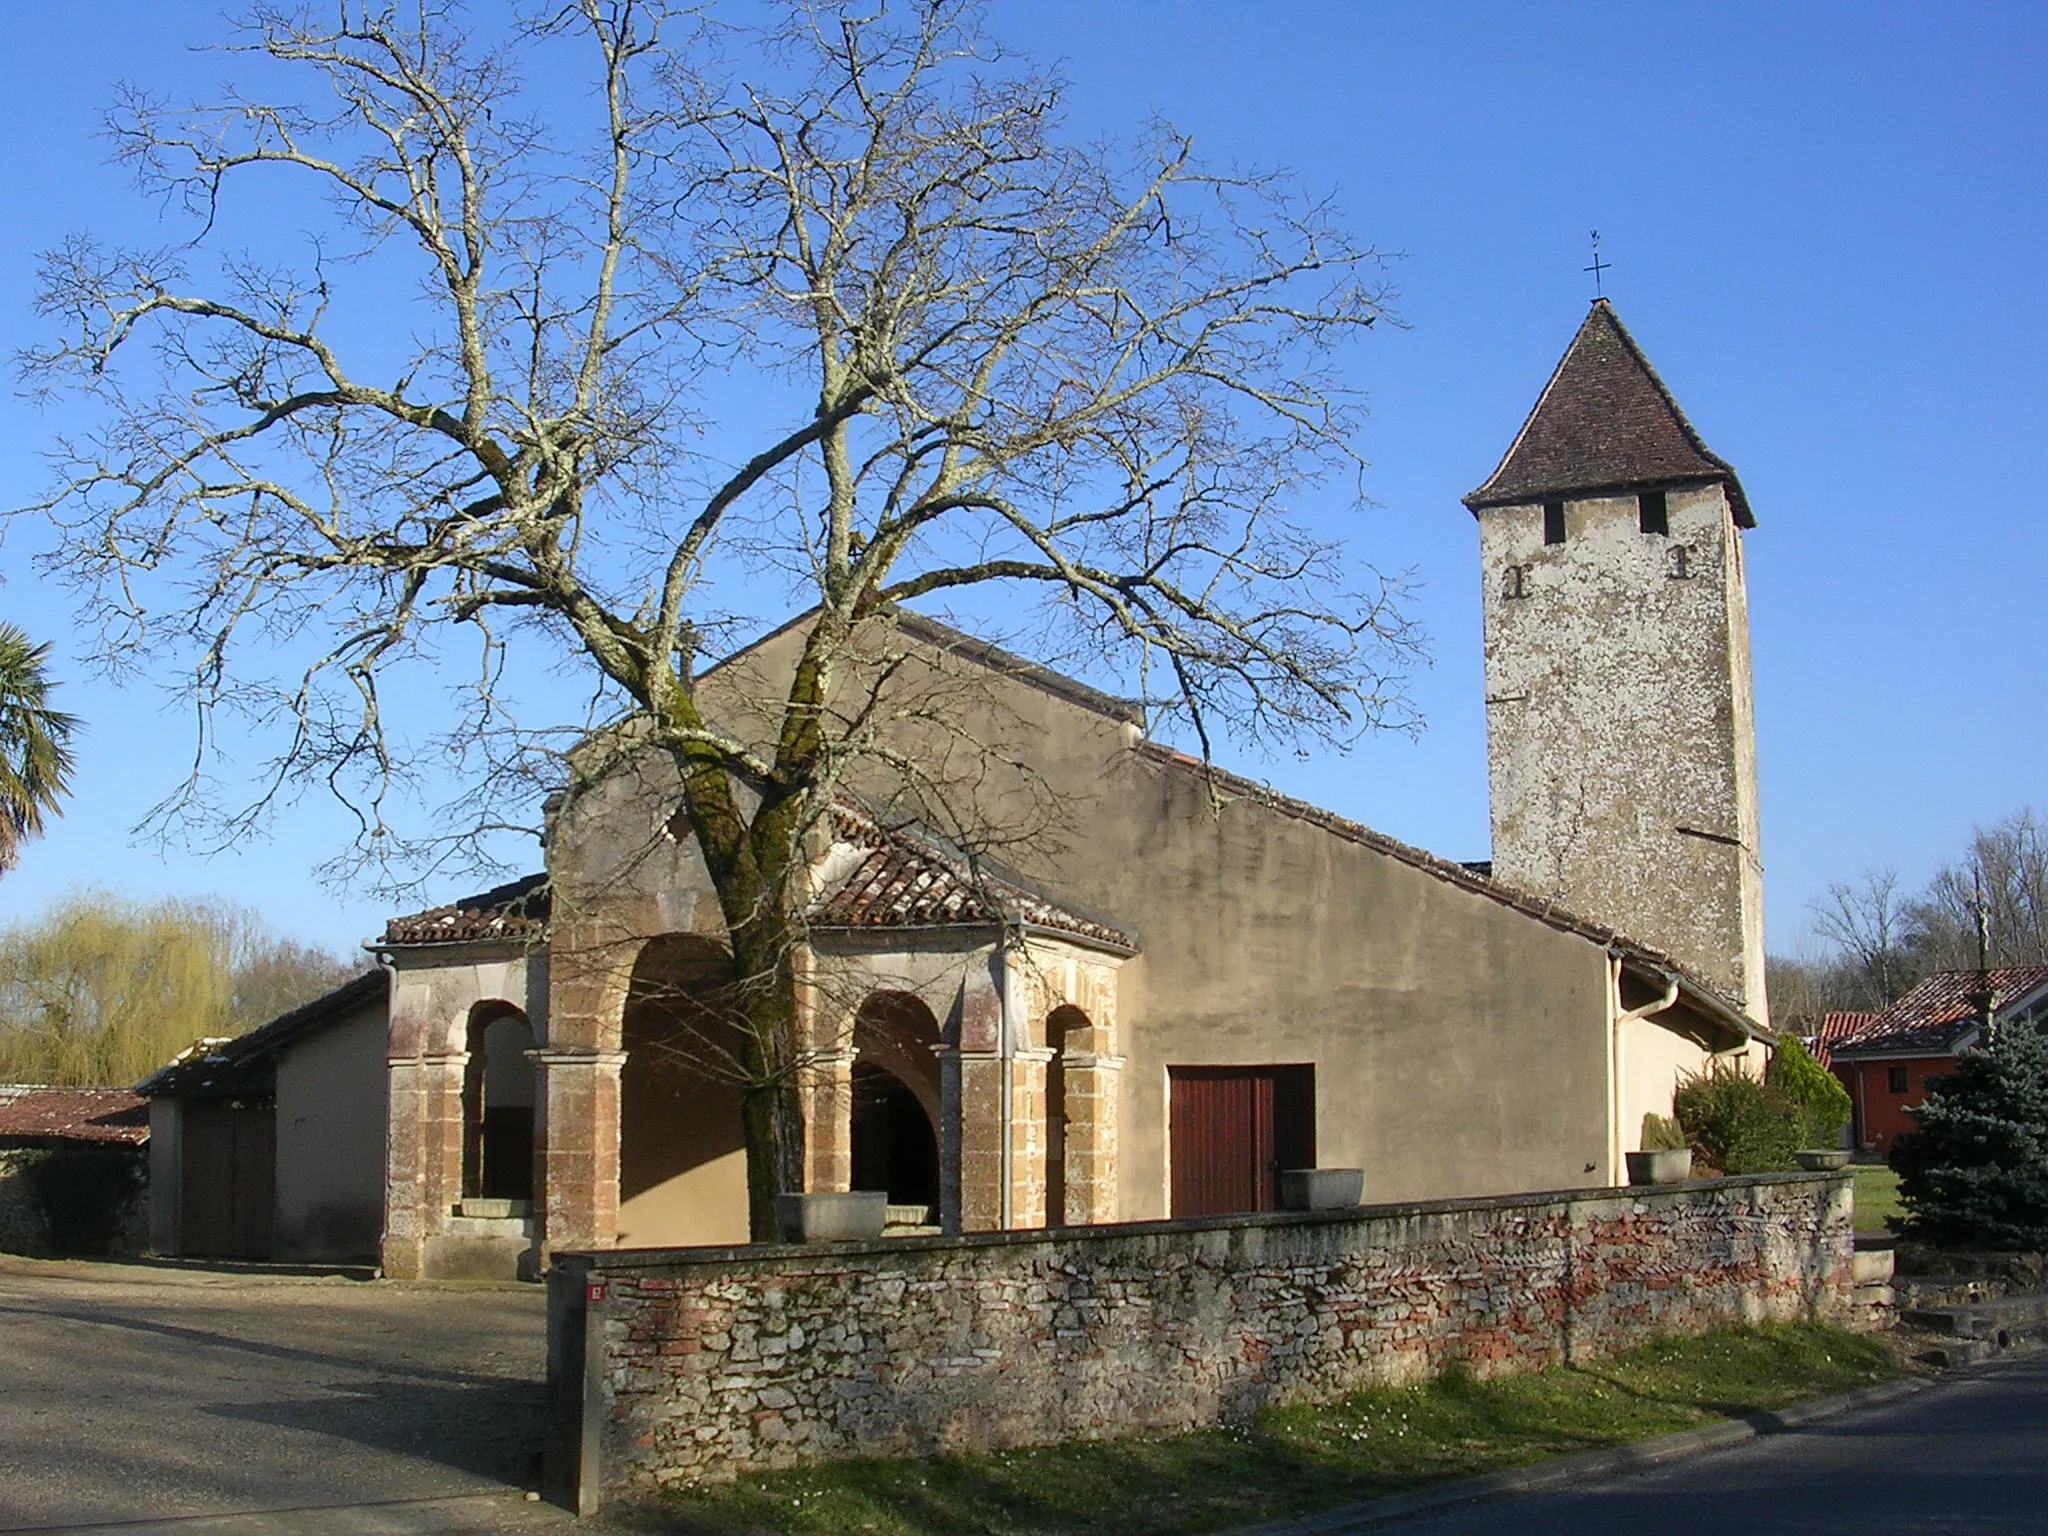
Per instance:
{"type": "Point", "coordinates": [21, 1219]}
{"type": "Point", "coordinates": [698, 1364]}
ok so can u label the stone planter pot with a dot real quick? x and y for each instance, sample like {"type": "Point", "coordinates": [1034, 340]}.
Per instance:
{"type": "Point", "coordinates": [845, 1217]}
{"type": "Point", "coordinates": [1320, 1189]}
{"type": "Point", "coordinates": [1821, 1159]}
{"type": "Point", "coordinates": [1668, 1165]}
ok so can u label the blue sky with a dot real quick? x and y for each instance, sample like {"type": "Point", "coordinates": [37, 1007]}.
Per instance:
{"type": "Point", "coordinates": [1825, 224]}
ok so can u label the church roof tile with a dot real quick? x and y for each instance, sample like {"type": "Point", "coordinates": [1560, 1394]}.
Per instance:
{"type": "Point", "coordinates": [1605, 422]}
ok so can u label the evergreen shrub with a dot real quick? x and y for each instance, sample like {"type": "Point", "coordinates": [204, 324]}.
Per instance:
{"type": "Point", "coordinates": [1975, 1173]}
{"type": "Point", "coordinates": [1738, 1123]}
{"type": "Point", "coordinates": [1822, 1100]}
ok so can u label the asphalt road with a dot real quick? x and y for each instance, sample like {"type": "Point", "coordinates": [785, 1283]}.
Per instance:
{"type": "Point", "coordinates": [1967, 1457]}
{"type": "Point", "coordinates": [139, 1394]}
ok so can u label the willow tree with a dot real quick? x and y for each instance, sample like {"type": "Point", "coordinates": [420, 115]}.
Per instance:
{"type": "Point", "coordinates": [836, 303]}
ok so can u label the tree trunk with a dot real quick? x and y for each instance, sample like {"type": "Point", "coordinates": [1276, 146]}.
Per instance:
{"type": "Point", "coordinates": [771, 1106]}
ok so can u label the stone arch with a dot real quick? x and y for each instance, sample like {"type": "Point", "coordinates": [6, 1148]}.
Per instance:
{"type": "Point", "coordinates": [896, 1114]}
{"type": "Point", "coordinates": [682, 1152]}
{"type": "Point", "coordinates": [497, 1103]}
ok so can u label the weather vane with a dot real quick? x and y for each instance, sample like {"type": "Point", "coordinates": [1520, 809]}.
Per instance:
{"type": "Point", "coordinates": [1598, 267]}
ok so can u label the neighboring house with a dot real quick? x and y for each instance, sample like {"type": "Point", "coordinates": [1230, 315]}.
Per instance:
{"type": "Point", "coordinates": [1174, 982]}
{"type": "Point", "coordinates": [1885, 1059]}
{"type": "Point", "coordinates": [105, 1122]}
{"type": "Point", "coordinates": [1836, 1028]}
{"type": "Point", "coordinates": [271, 1145]}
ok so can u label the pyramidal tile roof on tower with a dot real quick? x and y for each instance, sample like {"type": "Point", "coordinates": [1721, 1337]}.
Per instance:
{"type": "Point", "coordinates": [1605, 422]}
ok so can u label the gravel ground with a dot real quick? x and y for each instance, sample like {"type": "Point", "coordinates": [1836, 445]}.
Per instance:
{"type": "Point", "coordinates": [133, 1393]}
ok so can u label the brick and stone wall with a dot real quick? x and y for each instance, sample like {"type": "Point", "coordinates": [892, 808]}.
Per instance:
{"type": "Point", "coordinates": [698, 1364]}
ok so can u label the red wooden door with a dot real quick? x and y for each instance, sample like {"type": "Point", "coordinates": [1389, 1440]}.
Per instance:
{"type": "Point", "coordinates": [1231, 1131]}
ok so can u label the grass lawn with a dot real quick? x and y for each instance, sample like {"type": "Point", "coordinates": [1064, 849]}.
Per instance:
{"type": "Point", "coordinates": [1877, 1197]}
{"type": "Point", "coordinates": [1295, 1460]}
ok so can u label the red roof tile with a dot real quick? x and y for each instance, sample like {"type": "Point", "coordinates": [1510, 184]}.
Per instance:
{"type": "Point", "coordinates": [1839, 1029]}
{"type": "Point", "coordinates": [107, 1116]}
{"type": "Point", "coordinates": [1941, 1011]}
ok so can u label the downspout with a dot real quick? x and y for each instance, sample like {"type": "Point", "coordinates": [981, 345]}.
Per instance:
{"type": "Point", "coordinates": [387, 962]}
{"type": "Point", "coordinates": [1617, 1149]}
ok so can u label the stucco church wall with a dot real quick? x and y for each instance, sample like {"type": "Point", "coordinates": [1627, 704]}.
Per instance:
{"type": "Point", "coordinates": [682, 1158]}
{"type": "Point", "coordinates": [435, 989]}
{"type": "Point", "coordinates": [669, 1368]}
{"type": "Point", "coordinates": [332, 1088]}
{"type": "Point", "coordinates": [1655, 1053]}
{"type": "Point", "coordinates": [1460, 1046]}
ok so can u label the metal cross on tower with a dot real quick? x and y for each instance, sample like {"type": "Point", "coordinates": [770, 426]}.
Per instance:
{"type": "Point", "coordinates": [1598, 267]}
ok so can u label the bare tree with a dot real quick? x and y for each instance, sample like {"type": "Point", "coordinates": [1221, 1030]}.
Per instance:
{"type": "Point", "coordinates": [2008, 864]}
{"type": "Point", "coordinates": [1094, 378]}
{"type": "Point", "coordinates": [1866, 922]}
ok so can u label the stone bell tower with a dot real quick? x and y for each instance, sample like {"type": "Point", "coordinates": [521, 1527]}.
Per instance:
{"type": "Point", "coordinates": [1621, 738]}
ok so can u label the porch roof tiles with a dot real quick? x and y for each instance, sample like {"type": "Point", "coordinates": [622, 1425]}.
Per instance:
{"type": "Point", "coordinates": [907, 880]}
{"type": "Point", "coordinates": [517, 910]}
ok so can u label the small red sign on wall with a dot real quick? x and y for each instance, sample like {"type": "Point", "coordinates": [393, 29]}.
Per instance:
{"type": "Point", "coordinates": [593, 1292]}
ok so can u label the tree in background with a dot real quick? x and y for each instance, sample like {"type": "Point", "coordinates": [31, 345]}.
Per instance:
{"type": "Point", "coordinates": [1867, 924]}
{"type": "Point", "coordinates": [35, 744]}
{"type": "Point", "coordinates": [2008, 865]}
{"type": "Point", "coordinates": [100, 992]}
{"type": "Point", "coordinates": [1880, 940]}
{"type": "Point", "coordinates": [1975, 1173]}
{"type": "Point", "coordinates": [940, 352]}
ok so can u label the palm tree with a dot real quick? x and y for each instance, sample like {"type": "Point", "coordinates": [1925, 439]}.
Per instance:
{"type": "Point", "coordinates": [35, 751]}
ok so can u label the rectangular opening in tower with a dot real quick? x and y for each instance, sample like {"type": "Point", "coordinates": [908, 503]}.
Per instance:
{"type": "Point", "coordinates": [1553, 522]}
{"type": "Point", "coordinates": [1653, 513]}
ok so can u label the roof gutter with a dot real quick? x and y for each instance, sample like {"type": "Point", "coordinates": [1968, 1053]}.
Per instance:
{"type": "Point", "coordinates": [1695, 997]}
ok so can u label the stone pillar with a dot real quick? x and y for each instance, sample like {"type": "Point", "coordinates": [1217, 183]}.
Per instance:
{"type": "Point", "coordinates": [1092, 1084]}
{"type": "Point", "coordinates": [423, 1156]}
{"type": "Point", "coordinates": [580, 1166]}
{"type": "Point", "coordinates": [1028, 1132]}
{"type": "Point", "coordinates": [976, 1107]}
{"type": "Point", "coordinates": [590, 967]}
{"type": "Point", "coordinates": [828, 1121]}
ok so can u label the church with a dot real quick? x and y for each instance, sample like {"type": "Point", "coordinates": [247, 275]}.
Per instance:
{"type": "Point", "coordinates": [1180, 986]}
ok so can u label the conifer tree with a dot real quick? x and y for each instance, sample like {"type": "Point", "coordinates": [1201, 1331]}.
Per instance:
{"type": "Point", "coordinates": [1976, 1171]}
